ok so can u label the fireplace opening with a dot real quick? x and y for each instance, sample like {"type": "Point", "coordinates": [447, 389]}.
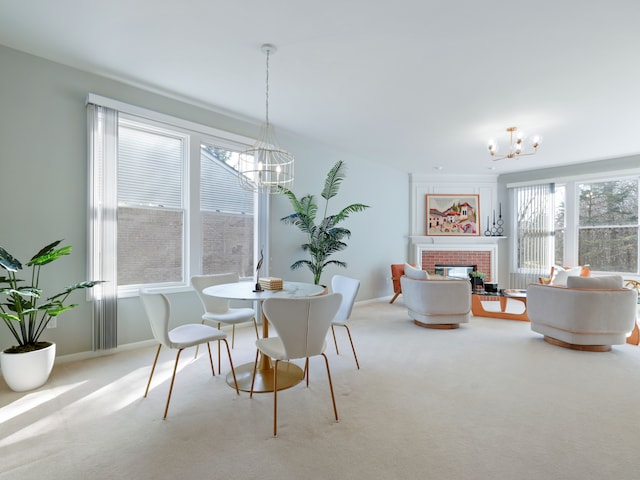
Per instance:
{"type": "Point", "coordinates": [455, 271]}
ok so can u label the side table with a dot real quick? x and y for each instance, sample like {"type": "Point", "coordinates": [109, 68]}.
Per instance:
{"type": "Point", "coordinates": [502, 298]}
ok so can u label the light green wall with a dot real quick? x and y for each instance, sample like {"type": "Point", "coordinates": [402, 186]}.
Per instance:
{"type": "Point", "coordinates": [43, 191]}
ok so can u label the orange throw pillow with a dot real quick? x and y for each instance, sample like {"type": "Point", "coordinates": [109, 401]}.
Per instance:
{"type": "Point", "coordinates": [585, 271]}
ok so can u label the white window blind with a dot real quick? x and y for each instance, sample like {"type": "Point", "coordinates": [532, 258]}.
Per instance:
{"type": "Point", "coordinates": [219, 187]}
{"type": "Point", "coordinates": [150, 167]}
{"type": "Point", "coordinates": [532, 244]}
{"type": "Point", "coordinates": [227, 220]}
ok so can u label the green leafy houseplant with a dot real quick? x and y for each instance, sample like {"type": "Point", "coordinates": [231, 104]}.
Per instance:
{"type": "Point", "coordinates": [21, 306]}
{"type": "Point", "coordinates": [476, 274]}
{"type": "Point", "coordinates": [477, 280]}
{"type": "Point", "coordinates": [326, 238]}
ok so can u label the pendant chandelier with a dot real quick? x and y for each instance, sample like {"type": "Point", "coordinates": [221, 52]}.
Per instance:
{"type": "Point", "coordinates": [516, 145]}
{"type": "Point", "coordinates": [266, 167]}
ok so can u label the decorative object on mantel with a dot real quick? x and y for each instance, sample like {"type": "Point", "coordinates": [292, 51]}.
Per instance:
{"type": "Point", "coordinates": [453, 215]}
{"type": "Point", "coordinates": [495, 229]}
{"type": "Point", "coordinates": [265, 167]}
{"type": "Point", "coordinates": [515, 146]}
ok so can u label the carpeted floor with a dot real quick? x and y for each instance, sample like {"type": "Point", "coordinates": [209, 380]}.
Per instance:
{"type": "Point", "coordinates": [490, 400]}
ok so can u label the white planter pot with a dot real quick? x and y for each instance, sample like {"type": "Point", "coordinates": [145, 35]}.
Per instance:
{"type": "Point", "coordinates": [26, 371]}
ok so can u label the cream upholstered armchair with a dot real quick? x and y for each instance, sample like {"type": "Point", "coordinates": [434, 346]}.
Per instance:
{"type": "Point", "coordinates": [436, 303]}
{"type": "Point", "coordinates": [590, 313]}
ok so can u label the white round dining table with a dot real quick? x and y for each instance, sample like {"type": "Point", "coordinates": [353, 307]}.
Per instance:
{"type": "Point", "coordinates": [289, 374]}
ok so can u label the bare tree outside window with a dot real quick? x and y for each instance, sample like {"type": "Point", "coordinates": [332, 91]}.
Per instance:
{"type": "Point", "coordinates": [608, 225]}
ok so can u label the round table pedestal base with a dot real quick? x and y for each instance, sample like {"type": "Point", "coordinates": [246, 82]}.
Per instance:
{"type": "Point", "coordinates": [289, 375]}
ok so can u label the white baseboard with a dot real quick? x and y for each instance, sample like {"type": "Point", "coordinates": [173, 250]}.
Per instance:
{"type": "Point", "coordinates": [73, 357]}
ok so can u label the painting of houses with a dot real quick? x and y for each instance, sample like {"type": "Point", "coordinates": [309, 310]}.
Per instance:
{"type": "Point", "coordinates": [453, 215]}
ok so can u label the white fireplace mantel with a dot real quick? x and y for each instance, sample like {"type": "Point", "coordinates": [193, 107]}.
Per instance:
{"type": "Point", "coordinates": [459, 240]}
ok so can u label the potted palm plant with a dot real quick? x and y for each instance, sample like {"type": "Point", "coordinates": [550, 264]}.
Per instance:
{"type": "Point", "coordinates": [26, 313]}
{"type": "Point", "coordinates": [324, 238]}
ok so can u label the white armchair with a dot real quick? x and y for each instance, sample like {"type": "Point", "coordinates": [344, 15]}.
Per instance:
{"type": "Point", "coordinates": [590, 313]}
{"type": "Point", "coordinates": [437, 303]}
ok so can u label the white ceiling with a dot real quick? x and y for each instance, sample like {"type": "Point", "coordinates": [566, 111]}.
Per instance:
{"type": "Point", "coordinates": [417, 83]}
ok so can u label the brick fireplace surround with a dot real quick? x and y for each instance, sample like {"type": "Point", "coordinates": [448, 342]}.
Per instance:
{"type": "Point", "coordinates": [480, 251]}
{"type": "Point", "coordinates": [431, 258]}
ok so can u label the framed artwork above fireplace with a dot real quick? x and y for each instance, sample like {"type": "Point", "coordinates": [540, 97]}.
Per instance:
{"type": "Point", "coordinates": [453, 215]}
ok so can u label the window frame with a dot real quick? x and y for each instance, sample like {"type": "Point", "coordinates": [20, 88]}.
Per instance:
{"type": "Point", "coordinates": [197, 135]}
{"type": "Point", "coordinates": [572, 214]}
{"type": "Point", "coordinates": [577, 227]}
{"type": "Point", "coordinates": [570, 183]}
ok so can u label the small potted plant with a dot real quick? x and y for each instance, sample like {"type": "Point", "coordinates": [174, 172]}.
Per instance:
{"type": "Point", "coordinates": [26, 313]}
{"type": "Point", "coordinates": [477, 280]}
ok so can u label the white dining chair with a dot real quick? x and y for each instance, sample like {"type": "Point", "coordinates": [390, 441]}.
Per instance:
{"type": "Point", "coordinates": [301, 325]}
{"type": "Point", "coordinates": [217, 309]}
{"type": "Point", "coordinates": [348, 287]}
{"type": "Point", "coordinates": [158, 312]}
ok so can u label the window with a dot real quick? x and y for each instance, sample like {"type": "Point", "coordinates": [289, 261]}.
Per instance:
{"type": "Point", "coordinates": [180, 207]}
{"type": "Point", "coordinates": [157, 177]}
{"type": "Point", "coordinates": [226, 214]}
{"type": "Point", "coordinates": [532, 246]}
{"type": "Point", "coordinates": [593, 222]}
{"type": "Point", "coordinates": [608, 225]}
{"type": "Point", "coordinates": [151, 204]}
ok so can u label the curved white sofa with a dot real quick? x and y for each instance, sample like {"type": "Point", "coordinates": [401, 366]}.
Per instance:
{"type": "Point", "coordinates": [590, 313]}
{"type": "Point", "coordinates": [436, 303]}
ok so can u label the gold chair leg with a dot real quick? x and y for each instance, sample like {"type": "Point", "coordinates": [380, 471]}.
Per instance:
{"type": "Point", "coordinates": [255, 368]}
{"type": "Point", "coordinates": [255, 325]}
{"type": "Point", "coordinates": [275, 399]}
{"type": "Point", "coordinates": [233, 371]}
{"type": "Point", "coordinates": [153, 367]}
{"type": "Point", "coordinates": [394, 297]}
{"type": "Point", "coordinates": [335, 342]}
{"type": "Point", "coordinates": [173, 377]}
{"type": "Point", "coordinates": [213, 370]}
{"type": "Point", "coordinates": [352, 347]}
{"type": "Point", "coordinates": [333, 398]}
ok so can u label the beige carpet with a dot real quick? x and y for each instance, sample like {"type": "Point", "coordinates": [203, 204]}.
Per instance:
{"type": "Point", "coordinates": [490, 400]}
